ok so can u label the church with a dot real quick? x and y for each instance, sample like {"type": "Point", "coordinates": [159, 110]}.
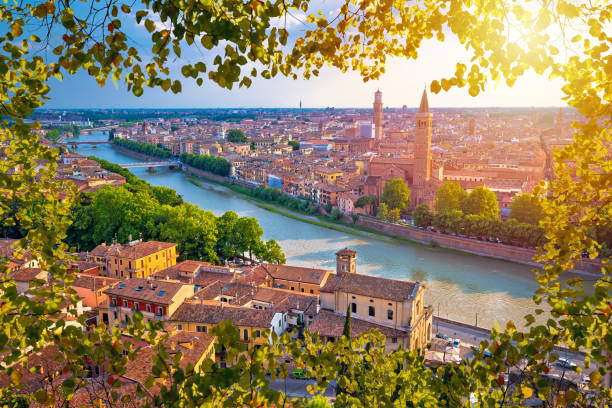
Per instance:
{"type": "Point", "coordinates": [415, 170]}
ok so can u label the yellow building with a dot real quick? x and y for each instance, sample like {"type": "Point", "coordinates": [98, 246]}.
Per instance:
{"type": "Point", "coordinates": [156, 300]}
{"type": "Point", "coordinates": [193, 316]}
{"type": "Point", "coordinates": [390, 303]}
{"type": "Point", "coordinates": [327, 175]}
{"type": "Point", "coordinates": [136, 259]}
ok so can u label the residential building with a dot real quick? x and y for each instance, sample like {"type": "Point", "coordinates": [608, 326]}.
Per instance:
{"type": "Point", "coordinates": [156, 300]}
{"type": "Point", "coordinates": [136, 259]}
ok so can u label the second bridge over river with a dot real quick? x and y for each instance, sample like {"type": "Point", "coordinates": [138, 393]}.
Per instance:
{"type": "Point", "coordinates": [152, 165]}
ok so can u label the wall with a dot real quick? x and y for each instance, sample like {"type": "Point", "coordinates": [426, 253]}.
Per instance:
{"type": "Point", "coordinates": [474, 246]}
{"type": "Point", "coordinates": [206, 174]}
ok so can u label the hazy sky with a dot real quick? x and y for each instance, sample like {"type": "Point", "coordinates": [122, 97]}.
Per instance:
{"type": "Point", "coordinates": [402, 84]}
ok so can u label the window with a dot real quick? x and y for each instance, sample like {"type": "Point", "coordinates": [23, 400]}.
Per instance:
{"type": "Point", "coordinates": [353, 297]}
{"type": "Point", "coordinates": [257, 334]}
{"type": "Point", "coordinates": [125, 303]}
{"type": "Point", "coordinates": [246, 335]}
{"type": "Point", "coordinates": [353, 307]}
{"type": "Point", "coordinates": [160, 310]}
{"type": "Point", "coordinates": [371, 311]}
{"type": "Point", "coordinates": [292, 288]}
{"type": "Point", "coordinates": [390, 314]}
{"type": "Point", "coordinates": [302, 289]}
{"type": "Point", "coordinates": [371, 300]}
{"type": "Point", "coordinates": [121, 262]}
{"type": "Point", "coordinates": [115, 315]}
{"type": "Point", "coordinates": [114, 302]}
{"type": "Point", "coordinates": [394, 340]}
{"type": "Point", "coordinates": [136, 306]}
{"type": "Point", "coordinates": [311, 291]}
{"type": "Point", "coordinates": [148, 308]}
{"type": "Point", "coordinates": [201, 329]}
{"type": "Point", "coordinates": [180, 327]}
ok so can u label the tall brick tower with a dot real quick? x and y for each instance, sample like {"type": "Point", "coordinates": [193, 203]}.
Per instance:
{"type": "Point", "coordinates": [422, 143]}
{"type": "Point", "coordinates": [378, 115]}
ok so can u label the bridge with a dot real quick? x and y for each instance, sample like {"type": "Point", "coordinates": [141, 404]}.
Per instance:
{"type": "Point", "coordinates": [151, 165]}
{"type": "Point", "coordinates": [75, 144]}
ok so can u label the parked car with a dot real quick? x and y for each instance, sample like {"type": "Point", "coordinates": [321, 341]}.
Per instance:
{"type": "Point", "coordinates": [456, 343]}
{"type": "Point", "coordinates": [444, 337]}
{"type": "Point", "coordinates": [565, 363]}
{"type": "Point", "coordinates": [300, 374]}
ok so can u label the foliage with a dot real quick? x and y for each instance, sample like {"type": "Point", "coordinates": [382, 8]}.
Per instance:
{"type": "Point", "coordinates": [503, 40]}
{"type": "Point", "coordinates": [394, 215]}
{"type": "Point", "coordinates": [448, 221]}
{"type": "Point", "coordinates": [52, 135]}
{"type": "Point", "coordinates": [422, 216]}
{"type": "Point", "coordinates": [275, 196]}
{"type": "Point", "coordinates": [481, 201]}
{"type": "Point", "coordinates": [355, 217]}
{"type": "Point", "coordinates": [383, 211]}
{"type": "Point", "coordinates": [525, 208]}
{"type": "Point", "coordinates": [144, 148]}
{"type": "Point", "coordinates": [295, 145]}
{"type": "Point", "coordinates": [450, 196]}
{"type": "Point", "coordinates": [396, 194]}
{"type": "Point", "coordinates": [336, 214]}
{"type": "Point", "coordinates": [364, 200]}
{"type": "Point", "coordinates": [211, 164]}
{"type": "Point", "coordinates": [328, 207]}
{"type": "Point", "coordinates": [236, 136]}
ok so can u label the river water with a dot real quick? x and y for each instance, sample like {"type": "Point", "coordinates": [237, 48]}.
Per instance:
{"type": "Point", "coordinates": [460, 286]}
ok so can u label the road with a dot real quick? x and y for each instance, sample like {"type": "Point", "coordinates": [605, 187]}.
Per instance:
{"type": "Point", "coordinates": [297, 388]}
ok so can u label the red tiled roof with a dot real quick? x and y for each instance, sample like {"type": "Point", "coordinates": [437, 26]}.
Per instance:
{"type": "Point", "coordinates": [295, 273]}
{"type": "Point", "coordinates": [365, 285]}
{"type": "Point", "coordinates": [200, 313]}
{"type": "Point", "coordinates": [331, 324]}
{"type": "Point", "coordinates": [160, 292]}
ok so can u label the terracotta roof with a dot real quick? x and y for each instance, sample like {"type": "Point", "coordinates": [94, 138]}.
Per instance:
{"type": "Point", "coordinates": [198, 313]}
{"type": "Point", "coordinates": [191, 345]}
{"type": "Point", "coordinates": [93, 282]}
{"type": "Point", "coordinates": [160, 292]}
{"type": "Point", "coordinates": [197, 273]}
{"type": "Point", "coordinates": [331, 324]}
{"type": "Point", "coordinates": [139, 249]}
{"type": "Point", "coordinates": [136, 250]}
{"type": "Point", "coordinates": [296, 273]}
{"type": "Point", "coordinates": [366, 285]}
{"type": "Point", "coordinates": [346, 251]}
{"type": "Point", "coordinates": [27, 274]}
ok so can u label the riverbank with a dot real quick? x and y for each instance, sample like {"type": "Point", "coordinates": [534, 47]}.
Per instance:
{"type": "Point", "coordinates": [367, 227]}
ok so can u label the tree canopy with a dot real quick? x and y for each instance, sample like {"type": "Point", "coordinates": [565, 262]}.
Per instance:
{"type": "Point", "coordinates": [236, 136]}
{"type": "Point", "coordinates": [396, 194]}
{"type": "Point", "coordinates": [525, 208]}
{"type": "Point", "coordinates": [481, 201]}
{"type": "Point", "coordinates": [450, 196]}
{"type": "Point", "coordinates": [503, 39]}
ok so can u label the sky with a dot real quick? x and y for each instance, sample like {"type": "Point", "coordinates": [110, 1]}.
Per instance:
{"type": "Point", "coordinates": [402, 84]}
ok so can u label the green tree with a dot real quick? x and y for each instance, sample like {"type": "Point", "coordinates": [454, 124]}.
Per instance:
{"type": "Point", "coordinates": [422, 216]}
{"type": "Point", "coordinates": [450, 196]}
{"type": "Point", "coordinates": [449, 221]}
{"type": "Point", "coordinates": [336, 214]}
{"type": "Point", "coordinates": [273, 253]}
{"type": "Point", "coordinates": [89, 38]}
{"type": "Point", "coordinates": [396, 194]}
{"type": "Point", "coordinates": [236, 136]}
{"type": "Point", "coordinates": [481, 201]}
{"type": "Point", "coordinates": [295, 145]}
{"type": "Point", "coordinates": [383, 212]}
{"type": "Point", "coordinates": [525, 208]}
{"type": "Point", "coordinates": [249, 235]}
{"type": "Point", "coordinates": [394, 215]}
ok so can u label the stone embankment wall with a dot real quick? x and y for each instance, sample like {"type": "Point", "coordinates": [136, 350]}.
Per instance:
{"type": "Point", "coordinates": [474, 246]}
{"type": "Point", "coordinates": [136, 155]}
{"type": "Point", "coordinates": [205, 174]}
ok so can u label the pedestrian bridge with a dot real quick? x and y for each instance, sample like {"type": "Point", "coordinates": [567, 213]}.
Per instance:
{"type": "Point", "coordinates": [151, 165]}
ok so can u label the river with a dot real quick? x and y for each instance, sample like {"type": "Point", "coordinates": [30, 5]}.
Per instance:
{"type": "Point", "coordinates": [460, 286]}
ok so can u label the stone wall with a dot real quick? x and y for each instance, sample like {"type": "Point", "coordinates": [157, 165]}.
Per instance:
{"type": "Point", "coordinates": [474, 246]}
